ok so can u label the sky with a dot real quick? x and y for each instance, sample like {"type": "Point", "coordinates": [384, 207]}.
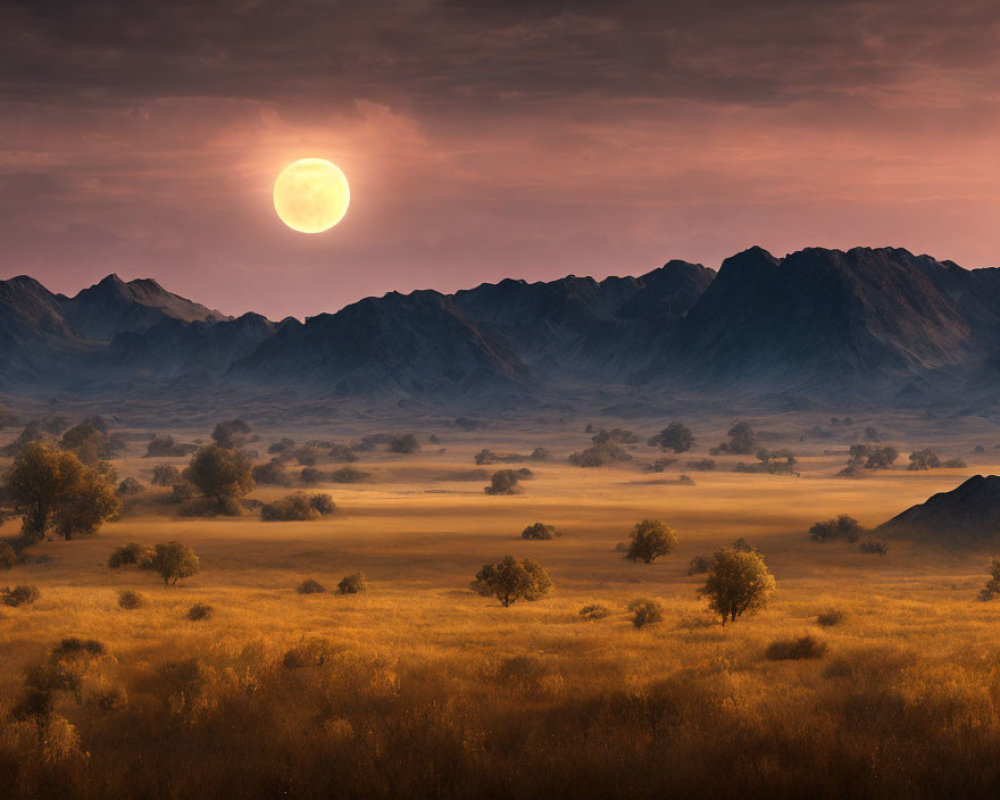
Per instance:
{"type": "Point", "coordinates": [503, 138]}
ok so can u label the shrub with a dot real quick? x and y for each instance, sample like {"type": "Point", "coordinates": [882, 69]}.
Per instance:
{"type": "Point", "coordinates": [229, 434]}
{"type": "Point", "coordinates": [172, 561]}
{"type": "Point", "coordinates": [992, 588]}
{"type": "Point", "coordinates": [503, 482]}
{"type": "Point", "coordinates": [310, 586]}
{"type": "Point", "coordinates": [737, 583]}
{"type": "Point", "coordinates": [742, 440]}
{"type": "Point", "coordinates": [199, 611]}
{"type": "Point", "coordinates": [954, 463]}
{"type": "Point", "coordinates": [660, 464]}
{"type": "Point", "coordinates": [355, 583]}
{"type": "Point", "coordinates": [649, 540]}
{"type": "Point", "coordinates": [306, 456]}
{"type": "Point", "coordinates": [130, 600]}
{"type": "Point", "coordinates": [349, 475]}
{"type": "Point", "coordinates": [804, 647]}
{"type": "Point", "coordinates": [8, 555]}
{"type": "Point", "coordinates": [594, 612]}
{"type": "Point", "coordinates": [676, 436]}
{"type": "Point", "coordinates": [221, 474]}
{"type": "Point", "coordinates": [281, 447]}
{"type": "Point", "coordinates": [843, 527]}
{"type": "Point", "coordinates": [539, 530]}
{"type": "Point", "coordinates": [273, 473]}
{"type": "Point", "coordinates": [871, 457]}
{"type": "Point", "coordinates": [164, 446]}
{"type": "Point", "coordinates": [874, 545]}
{"type": "Point", "coordinates": [698, 565]}
{"type": "Point", "coordinates": [924, 459]}
{"type": "Point", "coordinates": [702, 464]}
{"type": "Point", "coordinates": [540, 454]}
{"type": "Point", "coordinates": [129, 487]}
{"type": "Point", "coordinates": [311, 475]}
{"type": "Point", "coordinates": [830, 617]}
{"type": "Point", "coordinates": [20, 595]}
{"type": "Point", "coordinates": [183, 492]}
{"type": "Point", "coordinates": [73, 647]}
{"type": "Point", "coordinates": [598, 455]}
{"type": "Point", "coordinates": [131, 553]}
{"type": "Point", "coordinates": [405, 444]}
{"type": "Point", "coordinates": [615, 436]}
{"type": "Point", "coordinates": [298, 507]}
{"type": "Point", "coordinates": [342, 453]}
{"type": "Point", "coordinates": [510, 580]}
{"type": "Point", "coordinates": [646, 611]}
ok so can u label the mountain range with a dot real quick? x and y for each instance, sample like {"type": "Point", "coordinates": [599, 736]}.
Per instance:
{"type": "Point", "coordinates": [816, 328]}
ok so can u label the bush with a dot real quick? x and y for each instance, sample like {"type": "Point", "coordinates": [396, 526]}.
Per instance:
{"type": "Point", "coordinates": [830, 617]}
{"type": "Point", "coordinates": [199, 611]}
{"type": "Point", "coordinates": [738, 582]}
{"type": "Point", "coordinates": [698, 565]}
{"type": "Point", "coordinates": [510, 580]}
{"type": "Point", "coordinates": [742, 440]}
{"type": "Point", "coordinates": [172, 561]}
{"type": "Point", "coordinates": [874, 545]}
{"type": "Point", "coordinates": [924, 459]}
{"type": "Point", "coordinates": [615, 436]}
{"type": "Point", "coordinates": [128, 554]}
{"type": "Point", "coordinates": [649, 540]}
{"type": "Point", "coordinates": [73, 647]}
{"type": "Point", "coordinates": [355, 583]}
{"type": "Point", "coordinates": [598, 455]}
{"type": "Point", "coordinates": [992, 588]}
{"type": "Point", "coordinates": [646, 611]}
{"type": "Point", "coordinates": [660, 464]}
{"type": "Point", "coordinates": [342, 453]}
{"type": "Point", "coordinates": [310, 586]}
{"type": "Point", "coordinates": [129, 487]}
{"type": "Point", "coordinates": [298, 507]}
{"type": "Point", "coordinates": [8, 555]}
{"type": "Point", "coordinates": [183, 492]}
{"type": "Point", "coordinates": [273, 473]}
{"type": "Point", "coordinates": [843, 527]}
{"type": "Point", "coordinates": [539, 530]}
{"type": "Point", "coordinates": [164, 446]}
{"type": "Point", "coordinates": [871, 457]}
{"type": "Point", "coordinates": [954, 463]}
{"type": "Point", "coordinates": [281, 447]}
{"type": "Point", "coordinates": [311, 475]}
{"type": "Point", "coordinates": [804, 647]}
{"type": "Point", "coordinates": [676, 436]}
{"type": "Point", "coordinates": [540, 454]}
{"type": "Point", "coordinates": [349, 475]}
{"type": "Point", "coordinates": [20, 595]}
{"type": "Point", "coordinates": [405, 444]}
{"type": "Point", "coordinates": [702, 464]}
{"type": "Point", "coordinates": [594, 612]}
{"type": "Point", "coordinates": [130, 600]}
{"type": "Point", "coordinates": [503, 482]}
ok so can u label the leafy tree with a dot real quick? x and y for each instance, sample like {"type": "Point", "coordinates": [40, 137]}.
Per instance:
{"type": "Point", "coordinates": [992, 588]}
{"type": "Point", "coordinates": [676, 436]}
{"type": "Point", "coordinates": [221, 474]}
{"type": "Point", "coordinates": [924, 459]}
{"type": "Point", "coordinates": [128, 554]}
{"type": "Point", "coordinates": [510, 580]}
{"type": "Point", "coordinates": [503, 481]}
{"type": "Point", "coordinates": [273, 473]}
{"type": "Point", "coordinates": [229, 434]}
{"type": "Point", "coordinates": [47, 486]}
{"type": "Point", "coordinates": [8, 555]}
{"type": "Point", "coordinates": [843, 527]}
{"type": "Point", "coordinates": [172, 561]}
{"type": "Point", "coordinates": [298, 507]}
{"type": "Point", "coordinates": [742, 439]}
{"type": "Point", "coordinates": [91, 441]}
{"type": "Point", "coordinates": [404, 443]}
{"type": "Point", "coordinates": [615, 436]}
{"type": "Point", "coordinates": [598, 455]}
{"type": "Point", "coordinates": [129, 486]}
{"type": "Point", "coordinates": [539, 530]}
{"type": "Point", "coordinates": [738, 582]}
{"type": "Point", "coordinates": [165, 475]}
{"type": "Point", "coordinates": [649, 540]}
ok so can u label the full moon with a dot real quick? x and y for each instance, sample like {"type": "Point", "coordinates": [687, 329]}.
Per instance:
{"type": "Point", "coordinates": [311, 195]}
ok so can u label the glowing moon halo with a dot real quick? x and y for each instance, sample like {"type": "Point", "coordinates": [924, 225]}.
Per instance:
{"type": "Point", "coordinates": [311, 195]}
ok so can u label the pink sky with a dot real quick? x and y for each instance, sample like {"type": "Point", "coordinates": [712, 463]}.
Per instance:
{"type": "Point", "coordinates": [486, 141]}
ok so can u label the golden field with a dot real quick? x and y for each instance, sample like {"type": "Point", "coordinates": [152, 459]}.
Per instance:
{"type": "Point", "coordinates": [421, 688]}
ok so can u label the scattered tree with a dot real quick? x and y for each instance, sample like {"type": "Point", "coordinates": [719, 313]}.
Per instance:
{"type": "Point", "coordinates": [309, 586]}
{"type": "Point", "coordinates": [702, 465]}
{"type": "Point", "coordinates": [172, 561]}
{"type": "Point", "coordinates": [92, 442]}
{"type": "Point", "coordinates": [510, 580]}
{"type": "Point", "coordinates": [311, 475]}
{"type": "Point", "coordinates": [273, 473]}
{"type": "Point", "coordinates": [8, 555]}
{"type": "Point", "coordinates": [539, 530]}
{"type": "Point", "coordinates": [342, 453]}
{"type": "Point", "coordinates": [742, 440]}
{"type": "Point", "coordinates": [924, 459]}
{"type": "Point", "coordinates": [676, 436]}
{"type": "Point", "coordinates": [298, 507]}
{"type": "Point", "coordinates": [349, 475]}
{"type": "Point", "coordinates": [129, 487]}
{"type": "Point", "coordinates": [21, 595]}
{"type": "Point", "coordinates": [405, 444]}
{"type": "Point", "coordinates": [281, 447]}
{"type": "Point", "coordinates": [230, 434]}
{"type": "Point", "coordinates": [129, 554]}
{"type": "Point", "coordinates": [504, 481]}
{"type": "Point", "coordinates": [843, 527]}
{"type": "Point", "coordinates": [598, 455]}
{"type": "Point", "coordinates": [130, 600]}
{"type": "Point", "coordinates": [222, 475]}
{"type": "Point", "coordinates": [646, 611]}
{"type": "Point", "coordinates": [165, 475]}
{"type": "Point", "coordinates": [355, 583]}
{"type": "Point", "coordinates": [649, 540]}
{"type": "Point", "coordinates": [874, 545]}
{"type": "Point", "coordinates": [992, 588]}
{"type": "Point", "coordinates": [698, 565]}
{"type": "Point", "coordinates": [615, 436]}
{"type": "Point", "coordinates": [737, 583]}
{"type": "Point", "coordinates": [594, 612]}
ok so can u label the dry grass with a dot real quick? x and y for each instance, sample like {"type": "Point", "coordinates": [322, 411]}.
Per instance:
{"type": "Point", "coordinates": [420, 688]}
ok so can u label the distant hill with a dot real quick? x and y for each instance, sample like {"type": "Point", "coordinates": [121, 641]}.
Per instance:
{"type": "Point", "coordinates": [868, 326]}
{"type": "Point", "coordinates": [969, 512]}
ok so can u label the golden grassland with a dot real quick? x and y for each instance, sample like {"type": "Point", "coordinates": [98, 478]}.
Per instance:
{"type": "Point", "coordinates": [421, 688]}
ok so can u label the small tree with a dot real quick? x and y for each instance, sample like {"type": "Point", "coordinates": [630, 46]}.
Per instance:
{"type": "Point", "coordinates": [843, 527]}
{"type": "Point", "coordinates": [165, 475]}
{"type": "Point", "coordinates": [503, 481]}
{"type": "Point", "coordinates": [676, 436]}
{"type": "Point", "coordinates": [405, 444]}
{"type": "Point", "coordinates": [221, 474]}
{"type": "Point", "coordinates": [742, 439]}
{"type": "Point", "coordinates": [992, 588]}
{"type": "Point", "coordinates": [539, 530]}
{"type": "Point", "coordinates": [738, 582]}
{"type": "Point", "coordinates": [50, 487]}
{"type": "Point", "coordinates": [355, 583]}
{"type": "Point", "coordinates": [229, 434]}
{"type": "Point", "coordinates": [172, 561]}
{"type": "Point", "coordinates": [649, 540]}
{"type": "Point", "coordinates": [510, 580]}
{"type": "Point", "coordinates": [924, 459]}
{"type": "Point", "coordinates": [646, 611]}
